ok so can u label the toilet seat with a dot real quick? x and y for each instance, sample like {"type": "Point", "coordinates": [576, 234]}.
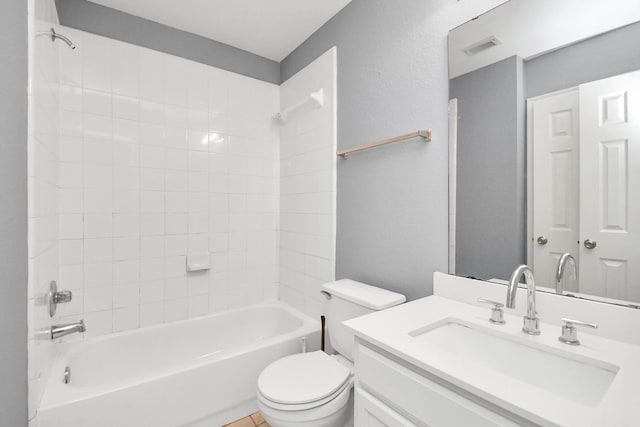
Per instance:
{"type": "Point", "coordinates": [303, 381]}
{"type": "Point", "coordinates": [304, 406]}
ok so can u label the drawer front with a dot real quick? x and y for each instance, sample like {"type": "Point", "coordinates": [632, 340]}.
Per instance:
{"type": "Point", "coordinates": [421, 399]}
{"type": "Point", "coordinates": [370, 412]}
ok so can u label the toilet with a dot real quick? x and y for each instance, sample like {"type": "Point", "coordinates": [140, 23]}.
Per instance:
{"type": "Point", "coordinates": [316, 389]}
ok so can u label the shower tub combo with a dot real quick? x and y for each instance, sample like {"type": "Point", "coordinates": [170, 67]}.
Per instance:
{"type": "Point", "coordinates": [197, 372]}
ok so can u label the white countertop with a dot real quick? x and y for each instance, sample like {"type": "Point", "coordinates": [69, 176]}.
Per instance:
{"type": "Point", "coordinates": [389, 330]}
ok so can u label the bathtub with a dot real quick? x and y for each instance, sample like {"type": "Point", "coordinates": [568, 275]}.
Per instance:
{"type": "Point", "coordinates": [197, 372]}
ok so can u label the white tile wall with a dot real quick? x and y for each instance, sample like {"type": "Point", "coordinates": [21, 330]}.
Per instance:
{"type": "Point", "coordinates": [161, 157]}
{"type": "Point", "coordinates": [308, 187]}
{"type": "Point", "coordinates": [43, 152]}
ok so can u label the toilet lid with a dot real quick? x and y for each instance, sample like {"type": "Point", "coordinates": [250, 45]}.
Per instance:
{"type": "Point", "coordinates": [302, 378]}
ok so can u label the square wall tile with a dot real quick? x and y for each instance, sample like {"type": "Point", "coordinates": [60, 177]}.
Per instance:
{"type": "Point", "coordinates": [125, 69]}
{"type": "Point", "coordinates": [70, 98]}
{"type": "Point", "coordinates": [151, 314]}
{"type": "Point", "coordinates": [151, 78]}
{"type": "Point", "coordinates": [126, 272]}
{"type": "Point", "coordinates": [70, 226]}
{"type": "Point", "coordinates": [98, 323]}
{"type": "Point", "coordinates": [98, 225]}
{"type": "Point", "coordinates": [175, 310]}
{"type": "Point", "coordinates": [126, 248]}
{"type": "Point", "coordinates": [96, 102]}
{"type": "Point", "coordinates": [98, 299]}
{"type": "Point", "coordinates": [125, 107]}
{"type": "Point", "coordinates": [125, 319]}
{"type": "Point", "coordinates": [96, 62]}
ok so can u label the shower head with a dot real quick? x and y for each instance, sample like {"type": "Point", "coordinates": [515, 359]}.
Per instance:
{"type": "Point", "coordinates": [53, 35]}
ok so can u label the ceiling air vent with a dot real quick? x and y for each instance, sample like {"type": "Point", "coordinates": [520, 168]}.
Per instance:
{"type": "Point", "coordinates": [484, 44]}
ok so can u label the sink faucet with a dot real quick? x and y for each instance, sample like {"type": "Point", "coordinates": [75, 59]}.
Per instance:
{"type": "Point", "coordinates": [562, 262]}
{"type": "Point", "coordinates": [58, 331]}
{"type": "Point", "coordinates": [530, 323]}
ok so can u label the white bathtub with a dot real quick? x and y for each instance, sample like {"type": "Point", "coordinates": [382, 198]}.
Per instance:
{"type": "Point", "coordinates": [198, 372]}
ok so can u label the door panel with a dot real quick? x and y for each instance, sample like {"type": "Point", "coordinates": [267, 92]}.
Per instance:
{"type": "Point", "coordinates": [610, 183]}
{"type": "Point", "coordinates": [556, 139]}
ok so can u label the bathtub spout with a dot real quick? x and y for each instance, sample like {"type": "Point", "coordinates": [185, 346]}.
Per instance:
{"type": "Point", "coordinates": [58, 331]}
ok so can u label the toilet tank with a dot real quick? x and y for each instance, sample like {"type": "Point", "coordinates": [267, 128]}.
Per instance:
{"type": "Point", "coordinates": [351, 299]}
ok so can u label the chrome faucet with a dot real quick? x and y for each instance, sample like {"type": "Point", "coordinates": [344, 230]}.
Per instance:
{"type": "Point", "coordinates": [531, 321]}
{"type": "Point", "coordinates": [562, 262]}
{"type": "Point", "coordinates": [58, 331]}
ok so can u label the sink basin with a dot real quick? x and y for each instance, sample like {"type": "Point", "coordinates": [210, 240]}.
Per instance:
{"type": "Point", "coordinates": [582, 380]}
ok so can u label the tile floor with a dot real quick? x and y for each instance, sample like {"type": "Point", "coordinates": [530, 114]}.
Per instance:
{"type": "Point", "coordinates": [252, 420]}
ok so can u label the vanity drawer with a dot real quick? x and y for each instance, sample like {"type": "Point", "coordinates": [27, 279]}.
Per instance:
{"type": "Point", "coordinates": [370, 412]}
{"type": "Point", "coordinates": [418, 397]}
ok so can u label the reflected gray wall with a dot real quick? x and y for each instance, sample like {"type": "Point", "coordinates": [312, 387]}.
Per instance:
{"type": "Point", "coordinates": [491, 192]}
{"type": "Point", "coordinates": [13, 213]}
{"type": "Point", "coordinates": [606, 55]}
{"type": "Point", "coordinates": [104, 21]}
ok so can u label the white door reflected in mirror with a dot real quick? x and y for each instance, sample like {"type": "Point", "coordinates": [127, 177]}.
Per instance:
{"type": "Point", "coordinates": [610, 179]}
{"type": "Point", "coordinates": [554, 129]}
{"type": "Point", "coordinates": [586, 156]}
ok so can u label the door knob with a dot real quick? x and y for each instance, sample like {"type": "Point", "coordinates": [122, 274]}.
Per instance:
{"type": "Point", "coordinates": [542, 240]}
{"type": "Point", "coordinates": [590, 244]}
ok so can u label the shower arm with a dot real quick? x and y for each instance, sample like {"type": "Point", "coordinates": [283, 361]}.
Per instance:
{"type": "Point", "coordinates": [53, 35]}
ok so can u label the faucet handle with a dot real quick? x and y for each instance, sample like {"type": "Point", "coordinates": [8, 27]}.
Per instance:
{"type": "Point", "coordinates": [56, 297]}
{"type": "Point", "coordinates": [570, 331]}
{"type": "Point", "coordinates": [63, 297]}
{"type": "Point", "coordinates": [497, 312]}
{"type": "Point", "coordinates": [488, 301]}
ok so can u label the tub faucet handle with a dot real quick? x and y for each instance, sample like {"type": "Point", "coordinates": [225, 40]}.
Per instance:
{"type": "Point", "coordinates": [63, 297]}
{"type": "Point", "coordinates": [57, 297]}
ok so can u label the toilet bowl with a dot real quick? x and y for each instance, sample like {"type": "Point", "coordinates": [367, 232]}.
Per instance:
{"type": "Point", "coordinates": [308, 389]}
{"type": "Point", "coordinates": [316, 389]}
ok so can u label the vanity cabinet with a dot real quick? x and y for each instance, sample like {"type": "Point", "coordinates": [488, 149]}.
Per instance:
{"type": "Point", "coordinates": [393, 393]}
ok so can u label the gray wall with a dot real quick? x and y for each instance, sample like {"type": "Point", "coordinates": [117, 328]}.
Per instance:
{"type": "Point", "coordinates": [13, 213]}
{"type": "Point", "coordinates": [606, 55]}
{"type": "Point", "coordinates": [104, 21]}
{"type": "Point", "coordinates": [392, 79]}
{"type": "Point", "coordinates": [491, 192]}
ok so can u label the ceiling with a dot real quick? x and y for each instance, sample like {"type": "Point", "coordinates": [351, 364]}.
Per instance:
{"type": "Point", "coordinates": [530, 28]}
{"type": "Point", "coordinates": [269, 28]}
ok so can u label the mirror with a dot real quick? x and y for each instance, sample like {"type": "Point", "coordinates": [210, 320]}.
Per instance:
{"type": "Point", "coordinates": [545, 143]}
